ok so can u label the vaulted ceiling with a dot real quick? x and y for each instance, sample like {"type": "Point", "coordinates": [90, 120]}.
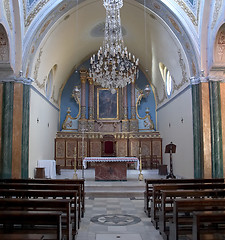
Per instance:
{"type": "Point", "coordinates": [68, 33]}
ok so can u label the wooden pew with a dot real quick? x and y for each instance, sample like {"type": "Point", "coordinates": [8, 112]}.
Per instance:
{"type": "Point", "coordinates": [46, 186]}
{"type": "Point", "coordinates": [214, 220]}
{"type": "Point", "coordinates": [56, 194]}
{"type": "Point", "coordinates": [64, 206]}
{"type": "Point", "coordinates": [150, 182]}
{"type": "Point", "coordinates": [54, 181]}
{"type": "Point", "coordinates": [157, 194]}
{"type": "Point", "coordinates": [182, 219]}
{"type": "Point", "coordinates": [32, 218]}
{"type": "Point", "coordinates": [168, 198]}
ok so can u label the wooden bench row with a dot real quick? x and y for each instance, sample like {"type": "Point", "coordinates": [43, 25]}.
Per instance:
{"type": "Point", "coordinates": [36, 198]}
{"type": "Point", "coordinates": [167, 214]}
{"type": "Point", "coordinates": [81, 182]}
{"type": "Point", "coordinates": [214, 220]}
{"type": "Point", "coordinates": [182, 221]}
{"type": "Point", "coordinates": [174, 217]}
{"type": "Point", "coordinates": [157, 199]}
{"type": "Point", "coordinates": [149, 182]}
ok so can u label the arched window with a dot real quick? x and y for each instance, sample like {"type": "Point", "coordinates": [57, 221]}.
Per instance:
{"type": "Point", "coordinates": [49, 82]}
{"type": "Point", "coordinates": [4, 45]}
{"type": "Point", "coordinates": [166, 78]}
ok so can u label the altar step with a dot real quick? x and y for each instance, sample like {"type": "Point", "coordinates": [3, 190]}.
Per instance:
{"type": "Point", "coordinates": [134, 191]}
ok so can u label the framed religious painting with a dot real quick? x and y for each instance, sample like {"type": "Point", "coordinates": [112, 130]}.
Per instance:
{"type": "Point", "coordinates": [107, 104]}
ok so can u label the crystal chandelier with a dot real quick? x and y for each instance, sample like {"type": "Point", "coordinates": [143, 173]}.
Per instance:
{"type": "Point", "coordinates": [113, 66]}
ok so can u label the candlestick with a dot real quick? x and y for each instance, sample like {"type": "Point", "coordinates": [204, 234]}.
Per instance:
{"type": "Point", "coordinates": [140, 176]}
{"type": "Point", "coordinates": [75, 164]}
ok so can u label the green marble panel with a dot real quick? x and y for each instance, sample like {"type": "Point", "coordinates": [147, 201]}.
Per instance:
{"type": "Point", "coordinates": [25, 132]}
{"type": "Point", "coordinates": [197, 131]}
{"type": "Point", "coordinates": [7, 126]}
{"type": "Point", "coordinates": [216, 130]}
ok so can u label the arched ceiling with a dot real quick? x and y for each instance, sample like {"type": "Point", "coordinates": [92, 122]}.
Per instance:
{"type": "Point", "coordinates": [69, 40]}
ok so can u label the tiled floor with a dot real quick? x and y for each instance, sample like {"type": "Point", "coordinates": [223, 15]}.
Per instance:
{"type": "Point", "coordinates": [95, 206]}
{"type": "Point", "coordinates": [142, 230]}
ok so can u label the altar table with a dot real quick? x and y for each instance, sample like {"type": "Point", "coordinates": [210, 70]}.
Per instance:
{"type": "Point", "coordinates": [111, 168]}
{"type": "Point", "coordinates": [49, 166]}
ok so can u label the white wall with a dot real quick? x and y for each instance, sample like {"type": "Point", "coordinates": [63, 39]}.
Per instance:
{"type": "Point", "coordinates": [42, 132]}
{"type": "Point", "coordinates": [173, 130]}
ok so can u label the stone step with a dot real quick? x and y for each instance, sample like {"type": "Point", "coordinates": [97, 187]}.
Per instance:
{"type": "Point", "coordinates": [114, 194]}
{"type": "Point", "coordinates": [115, 191]}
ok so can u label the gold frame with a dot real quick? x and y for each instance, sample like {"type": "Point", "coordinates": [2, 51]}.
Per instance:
{"type": "Point", "coordinates": [117, 104]}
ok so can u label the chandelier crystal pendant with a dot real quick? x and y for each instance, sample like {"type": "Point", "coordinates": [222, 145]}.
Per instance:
{"type": "Point", "coordinates": [113, 66]}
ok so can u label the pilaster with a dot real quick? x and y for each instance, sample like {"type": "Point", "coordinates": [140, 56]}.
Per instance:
{"type": "Point", "coordinates": [25, 131]}
{"type": "Point", "coordinates": [15, 108]}
{"type": "Point", "coordinates": [197, 128]}
{"type": "Point", "coordinates": [7, 130]}
{"type": "Point", "coordinates": [216, 128]}
{"type": "Point", "coordinates": [82, 122]}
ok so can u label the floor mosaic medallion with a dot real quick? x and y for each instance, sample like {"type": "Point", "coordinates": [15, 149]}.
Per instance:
{"type": "Point", "coordinates": [115, 219]}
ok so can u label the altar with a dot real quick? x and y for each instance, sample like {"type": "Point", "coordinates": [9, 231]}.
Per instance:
{"type": "Point", "coordinates": [111, 168]}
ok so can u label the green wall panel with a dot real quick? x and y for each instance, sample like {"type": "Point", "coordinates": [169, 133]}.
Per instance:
{"type": "Point", "coordinates": [7, 123]}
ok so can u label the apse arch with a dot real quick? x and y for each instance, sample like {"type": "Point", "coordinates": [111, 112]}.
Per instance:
{"type": "Point", "coordinates": [38, 35]}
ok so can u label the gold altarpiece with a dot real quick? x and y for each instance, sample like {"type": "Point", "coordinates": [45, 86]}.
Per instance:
{"type": "Point", "coordinates": [107, 116]}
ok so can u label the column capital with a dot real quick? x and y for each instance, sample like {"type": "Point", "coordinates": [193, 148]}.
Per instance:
{"type": "Point", "coordinates": [90, 80]}
{"type": "Point", "coordinates": [216, 78]}
{"type": "Point", "coordinates": [83, 75]}
{"type": "Point", "coordinates": [17, 79]}
{"type": "Point", "coordinates": [199, 79]}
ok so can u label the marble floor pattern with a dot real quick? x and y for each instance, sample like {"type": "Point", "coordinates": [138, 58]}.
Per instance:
{"type": "Point", "coordinates": [116, 218]}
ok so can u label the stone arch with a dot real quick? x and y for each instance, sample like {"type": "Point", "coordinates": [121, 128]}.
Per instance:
{"type": "Point", "coordinates": [4, 45]}
{"type": "Point", "coordinates": [219, 47]}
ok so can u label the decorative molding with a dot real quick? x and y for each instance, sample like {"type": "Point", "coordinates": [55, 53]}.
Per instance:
{"type": "Point", "coordinates": [117, 135]}
{"type": "Point", "coordinates": [184, 73]}
{"type": "Point", "coordinates": [217, 8]}
{"type": "Point", "coordinates": [54, 99]}
{"type": "Point", "coordinates": [189, 13]}
{"type": "Point", "coordinates": [36, 69]}
{"type": "Point", "coordinates": [8, 13]}
{"type": "Point", "coordinates": [216, 78]}
{"type": "Point", "coordinates": [24, 11]}
{"type": "Point", "coordinates": [194, 80]}
{"type": "Point", "coordinates": [34, 12]}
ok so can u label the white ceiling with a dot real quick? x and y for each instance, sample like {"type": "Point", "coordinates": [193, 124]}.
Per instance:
{"type": "Point", "coordinates": [74, 37]}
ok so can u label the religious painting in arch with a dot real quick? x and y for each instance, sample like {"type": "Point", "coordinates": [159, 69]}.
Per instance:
{"type": "Point", "coordinates": [219, 52]}
{"type": "Point", "coordinates": [107, 104]}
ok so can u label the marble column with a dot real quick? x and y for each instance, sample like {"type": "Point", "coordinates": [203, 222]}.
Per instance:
{"type": "Point", "coordinates": [15, 100]}
{"type": "Point", "coordinates": [7, 130]}
{"type": "Point", "coordinates": [83, 121]}
{"type": "Point", "coordinates": [91, 105]}
{"type": "Point", "coordinates": [25, 131]}
{"type": "Point", "coordinates": [125, 122]}
{"type": "Point", "coordinates": [133, 120]}
{"type": "Point", "coordinates": [197, 128]}
{"type": "Point", "coordinates": [216, 128]}
{"type": "Point", "coordinates": [133, 109]}
{"type": "Point", "coordinates": [222, 95]}
{"type": "Point", "coordinates": [206, 128]}
{"type": "Point", "coordinates": [83, 78]}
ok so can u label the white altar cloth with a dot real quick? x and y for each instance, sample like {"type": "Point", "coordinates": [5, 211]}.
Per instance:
{"type": "Point", "coordinates": [49, 166]}
{"type": "Point", "coordinates": [110, 159]}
